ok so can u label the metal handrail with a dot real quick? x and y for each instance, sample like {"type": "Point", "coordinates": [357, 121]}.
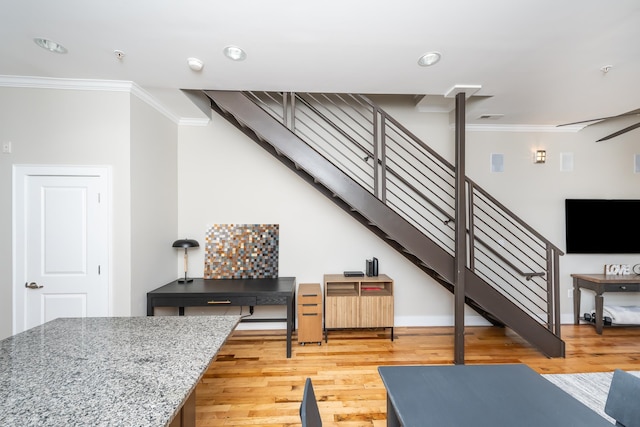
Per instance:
{"type": "Point", "coordinates": [512, 215]}
{"type": "Point", "coordinates": [417, 182]}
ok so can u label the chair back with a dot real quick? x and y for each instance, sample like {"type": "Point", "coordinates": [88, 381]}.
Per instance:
{"type": "Point", "coordinates": [309, 413]}
{"type": "Point", "coordinates": [623, 403]}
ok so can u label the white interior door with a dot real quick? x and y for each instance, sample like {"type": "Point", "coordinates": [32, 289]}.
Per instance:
{"type": "Point", "coordinates": [61, 244]}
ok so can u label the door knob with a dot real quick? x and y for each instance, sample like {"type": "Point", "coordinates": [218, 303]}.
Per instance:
{"type": "Point", "coordinates": [33, 285]}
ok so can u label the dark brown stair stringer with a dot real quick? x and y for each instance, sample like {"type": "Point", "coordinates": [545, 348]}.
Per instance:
{"type": "Point", "coordinates": [370, 211]}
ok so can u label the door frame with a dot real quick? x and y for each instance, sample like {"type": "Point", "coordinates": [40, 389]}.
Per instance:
{"type": "Point", "coordinates": [19, 175]}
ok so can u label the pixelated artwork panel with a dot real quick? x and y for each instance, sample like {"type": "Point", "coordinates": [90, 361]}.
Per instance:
{"type": "Point", "coordinates": [241, 251]}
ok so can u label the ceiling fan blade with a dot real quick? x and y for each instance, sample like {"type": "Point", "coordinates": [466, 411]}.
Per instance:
{"type": "Point", "coordinates": [620, 132]}
{"type": "Point", "coordinates": [630, 113]}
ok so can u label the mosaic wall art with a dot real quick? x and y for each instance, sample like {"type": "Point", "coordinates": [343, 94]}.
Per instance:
{"type": "Point", "coordinates": [241, 251]}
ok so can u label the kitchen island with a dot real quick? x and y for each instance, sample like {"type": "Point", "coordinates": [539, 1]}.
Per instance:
{"type": "Point", "coordinates": [111, 371]}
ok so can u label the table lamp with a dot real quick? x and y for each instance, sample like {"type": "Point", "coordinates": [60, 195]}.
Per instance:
{"type": "Point", "coordinates": [186, 244]}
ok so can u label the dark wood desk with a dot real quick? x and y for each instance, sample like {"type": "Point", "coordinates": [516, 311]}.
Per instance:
{"type": "Point", "coordinates": [600, 283]}
{"type": "Point", "coordinates": [480, 396]}
{"type": "Point", "coordinates": [231, 292]}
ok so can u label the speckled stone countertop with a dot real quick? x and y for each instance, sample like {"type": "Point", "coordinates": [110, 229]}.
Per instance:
{"type": "Point", "coordinates": [108, 371]}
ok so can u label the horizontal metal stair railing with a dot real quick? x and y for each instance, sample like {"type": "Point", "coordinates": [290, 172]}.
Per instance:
{"type": "Point", "coordinates": [372, 160]}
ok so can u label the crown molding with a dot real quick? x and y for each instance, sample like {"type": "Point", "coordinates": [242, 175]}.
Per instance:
{"type": "Point", "coordinates": [522, 128]}
{"type": "Point", "coordinates": [72, 84]}
{"type": "Point", "coordinates": [134, 89]}
{"type": "Point", "coordinates": [190, 121]}
{"type": "Point", "coordinates": [152, 102]}
{"type": "Point", "coordinates": [88, 84]}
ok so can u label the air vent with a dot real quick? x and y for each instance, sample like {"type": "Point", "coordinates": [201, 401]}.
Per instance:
{"type": "Point", "coordinates": [491, 116]}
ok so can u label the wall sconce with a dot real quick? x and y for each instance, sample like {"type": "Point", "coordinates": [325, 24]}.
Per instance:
{"type": "Point", "coordinates": [540, 156]}
{"type": "Point", "coordinates": [186, 244]}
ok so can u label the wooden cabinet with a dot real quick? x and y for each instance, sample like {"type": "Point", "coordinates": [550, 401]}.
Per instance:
{"type": "Point", "coordinates": [309, 313]}
{"type": "Point", "coordinates": [358, 302]}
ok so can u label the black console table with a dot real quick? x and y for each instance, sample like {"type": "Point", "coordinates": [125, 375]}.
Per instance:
{"type": "Point", "coordinates": [600, 283]}
{"type": "Point", "coordinates": [231, 292]}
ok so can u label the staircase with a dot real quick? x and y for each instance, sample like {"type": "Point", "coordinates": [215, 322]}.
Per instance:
{"type": "Point", "coordinates": [393, 183]}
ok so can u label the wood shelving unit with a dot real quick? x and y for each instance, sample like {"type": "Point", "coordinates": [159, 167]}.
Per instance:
{"type": "Point", "coordinates": [358, 302]}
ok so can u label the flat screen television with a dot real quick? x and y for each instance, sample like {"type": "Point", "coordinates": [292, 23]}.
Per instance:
{"type": "Point", "coordinates": [602, 226]}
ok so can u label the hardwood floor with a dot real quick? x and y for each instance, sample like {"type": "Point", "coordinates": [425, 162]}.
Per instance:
{"type": "Point", "coordinates": [251, 382]}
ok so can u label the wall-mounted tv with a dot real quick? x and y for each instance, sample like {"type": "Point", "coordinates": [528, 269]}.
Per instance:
{"type": "Point", "coordinates": [602, 226]}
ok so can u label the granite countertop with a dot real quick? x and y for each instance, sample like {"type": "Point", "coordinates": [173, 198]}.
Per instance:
{"type": "Point", "coordinates": [108, 371]}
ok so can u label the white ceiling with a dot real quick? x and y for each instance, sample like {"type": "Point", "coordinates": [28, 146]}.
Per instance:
{"type": "Point", "coordinates": [538, 62]}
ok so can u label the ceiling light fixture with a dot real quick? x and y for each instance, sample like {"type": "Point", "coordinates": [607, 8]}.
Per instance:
{"type": "Point", "coordinates": [195, 64]}
{"type": "Point", "coordinates": [429, 59]}
{"type": "Point", "coordinates": [50, 45]}
{"type": "Point", "coordinates": [234, 53]}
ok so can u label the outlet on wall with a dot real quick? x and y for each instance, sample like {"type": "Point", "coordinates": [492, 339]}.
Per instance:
{"type": "Point", "coordinates": [6, 147]}
{"type": "Point", "coordinates": [570, 293]}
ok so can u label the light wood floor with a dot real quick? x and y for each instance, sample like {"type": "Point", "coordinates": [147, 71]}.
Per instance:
{"type": "Point", "coordinates": [252, 382]}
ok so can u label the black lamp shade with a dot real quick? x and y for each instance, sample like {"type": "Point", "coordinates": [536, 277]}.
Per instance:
{"type": "Point", "coordinates": [186, 243]}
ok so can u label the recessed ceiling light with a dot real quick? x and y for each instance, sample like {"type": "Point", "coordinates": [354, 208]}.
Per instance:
{"type": "Point", "coordinates": [429, 58]}
{"type": "Point", "coordinates": [234, 53]}
{"type": "Point", "coordinates": [50, 45]}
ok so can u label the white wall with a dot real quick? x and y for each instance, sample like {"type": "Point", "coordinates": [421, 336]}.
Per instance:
{"type": "Point", "coordinates": [86, 127]}
{"type": "Point", "coordinates": [536, 192]}
{"type": "Point", "coordinates": [66, 127]}
{"type": "Point", "coordinates": [230, 179]}
{"type": "Point", "coordinates": [223, 177]}
{"type": "Point", "coordinates": [154, 206]}
{"type": "Point", "coordinates": [227, 178]}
